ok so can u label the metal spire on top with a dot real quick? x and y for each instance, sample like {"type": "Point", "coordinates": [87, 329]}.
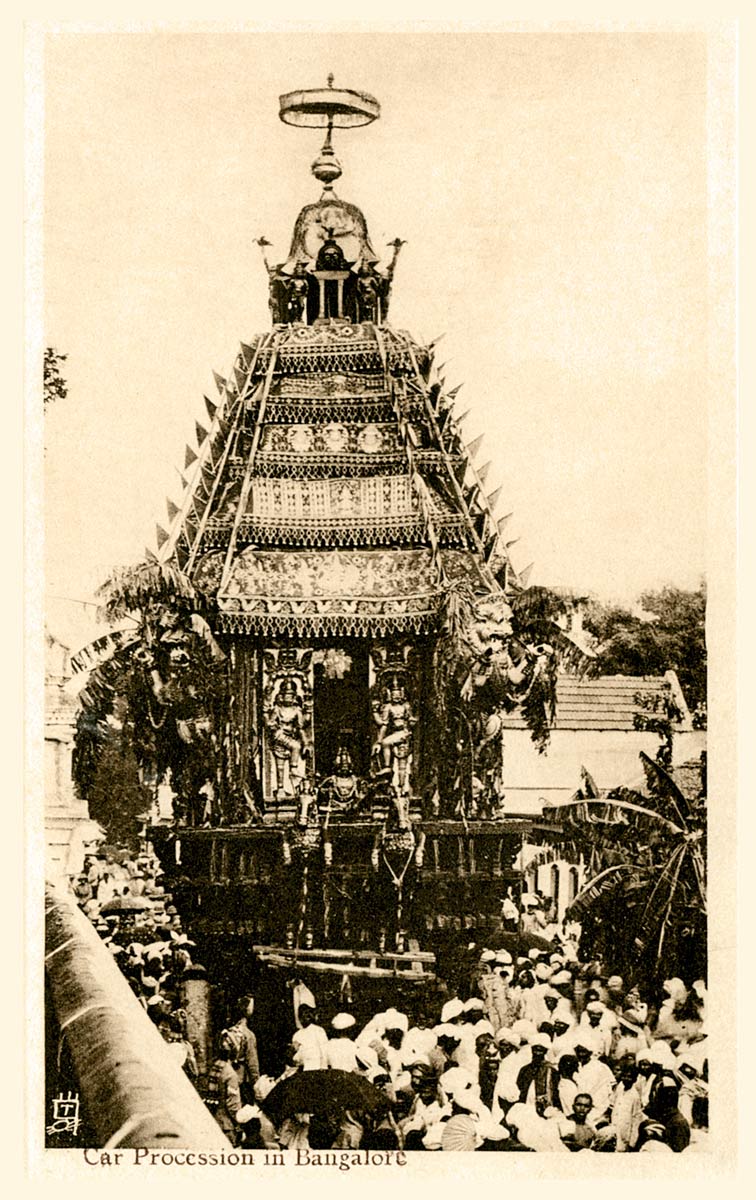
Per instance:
{"type": "Point", "coordinates": [330, 108]}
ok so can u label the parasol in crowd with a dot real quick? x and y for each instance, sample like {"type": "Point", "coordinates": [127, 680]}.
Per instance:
{"type": "Point", "coordinates": [327, 1092]}
{"type": "Point", "coordinates": [518, 943]}
{"type": "Point", "coordinates": [116, 852]}
{"type": "Point", "coordinates": [121, 904]}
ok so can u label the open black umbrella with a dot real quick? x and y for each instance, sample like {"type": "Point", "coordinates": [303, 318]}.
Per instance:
{"type": "Point", "coordinates": [327, 1092]}
{"type": "Point", "coordinates": [518, 943]}
{"type": "Point", "coordinates": [121, 904]}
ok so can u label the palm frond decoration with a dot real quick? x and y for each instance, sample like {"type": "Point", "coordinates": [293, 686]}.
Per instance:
{"type": "Point", "coordinates": [131, 589]}
{"type": "Point", "coordinates": [645, 890]}
{"type": "Point", "coordinates": [159, 673]}
{"type": "Point", "coordinates": [602, 884]}
{"type": "Point", "coordinates": [104, 647]}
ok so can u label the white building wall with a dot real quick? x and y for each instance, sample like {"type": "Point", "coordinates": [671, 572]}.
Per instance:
{"type": "Point", "coordinates": [610, 756]}
{"type": "Point", "coordinates": [69, 833]}
{"type": "Point", "coordinates": [612, 759]}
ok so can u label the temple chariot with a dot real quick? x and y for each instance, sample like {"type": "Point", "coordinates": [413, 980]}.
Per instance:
{"type": "Point", "coordinates": [357, 819]}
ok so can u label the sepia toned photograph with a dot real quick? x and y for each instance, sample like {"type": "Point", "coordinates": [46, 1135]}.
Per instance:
{"type": "Point", "coordinates": [378, 372]}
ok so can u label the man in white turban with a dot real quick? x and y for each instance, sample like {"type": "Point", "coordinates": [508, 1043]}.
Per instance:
{"type": "Point", "coordinates": [341, 1049]}
{"type": "Point", "coordinates": [419, 1039]}
{"type": "Point", "coordinates": [593, 1076]}
{"type": "Point", "coordinates": [595, 1027]}
{"type": "Point", "coordinates": [537, 1080]}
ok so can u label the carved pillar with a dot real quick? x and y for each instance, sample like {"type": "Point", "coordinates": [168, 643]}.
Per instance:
{"type": "Point", "coordinates": [240, 782]}
{"type": "Point", "coordinates": [199, 1023]}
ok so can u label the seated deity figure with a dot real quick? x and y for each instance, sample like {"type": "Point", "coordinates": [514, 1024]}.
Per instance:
{"type": "Point", "coordinates": [343, 791]}
{"type": "Point", "coordinates": [286, 724]}
{"type": "Point", "coordinates": [393, 744]}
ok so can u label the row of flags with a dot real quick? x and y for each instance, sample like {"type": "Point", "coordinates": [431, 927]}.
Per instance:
{"type": "Point", "coordinates": [213, 446]}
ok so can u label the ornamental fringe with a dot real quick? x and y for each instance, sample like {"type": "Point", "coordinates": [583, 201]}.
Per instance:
{"type": "Point", "coordinates": [347, 625]}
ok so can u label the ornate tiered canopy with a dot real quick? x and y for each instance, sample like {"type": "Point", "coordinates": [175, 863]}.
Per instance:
{"type": "Point", "coordinates": [327, 501]}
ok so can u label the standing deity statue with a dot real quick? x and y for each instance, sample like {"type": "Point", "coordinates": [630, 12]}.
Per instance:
{"type": "Point", "coordinates": [297, 295]}
{"type": "Point", "coordinates": [368, 295]}
{"type": "Point", "coordinates": [286, 725]}
{"type": "Point", "coordinates": [393, 743]}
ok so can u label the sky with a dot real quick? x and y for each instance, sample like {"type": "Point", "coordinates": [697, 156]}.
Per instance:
{"type": "Point", "coordinates": [552, 192]}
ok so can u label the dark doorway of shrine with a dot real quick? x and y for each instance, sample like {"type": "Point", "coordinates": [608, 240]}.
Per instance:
{"type": "Point", "coordinates": [341, 713]}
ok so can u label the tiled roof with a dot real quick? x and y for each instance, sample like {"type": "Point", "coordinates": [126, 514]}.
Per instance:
{"type": "Point", "coordinates": [606, 702]}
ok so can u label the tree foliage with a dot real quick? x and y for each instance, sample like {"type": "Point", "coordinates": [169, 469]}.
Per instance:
{"type": "Point", "coordinates": [671, 637]}
{"type": "Point", "coordinates": [54, 384]}
{"type": "Point", "coordinates": [117, 797]}
{"type": "Point", "coordinates": [644, 899]}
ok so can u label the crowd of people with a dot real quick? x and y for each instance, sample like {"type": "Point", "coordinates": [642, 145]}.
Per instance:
{"type": "Point", "coordinates": [534, 1052]}
{"type": "Point", "coordinates": [544, 1054]}
{"type": "Point", "coordinates": [125, 898]}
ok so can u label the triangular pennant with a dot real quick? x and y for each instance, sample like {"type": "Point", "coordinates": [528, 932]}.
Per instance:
{"type": "Point", "coordinates": [471, 495]}
{"type": "Point", "coordinates": [189, 458]}
{"type": "Point", "coordinates": [459, 471]}
{"type": "Point", "coordinates": [211, 408]}
{"type": "Point", "coordinates": [162, 536]}
{"type": "Point", "coordinates": [503, 521]}
{"type": "Point", "coordinates": [184, 482]}
{"type": "Point", "coordinates": [223, 427]}
{"type": "Point", "coordinates": [483, 472]}
{"type": "Point", "coordinates": [524, 575]}
{"type": "Point", "coordinates": [493, 497]}
{"type": "Point", "coordinates": [220, 382]}
{"type": "Point", "coordinates": [182, 556]}
{"type": "Point", "coordinates": [201, 433]}
{"type": "Point", "coordinates": [464, 416]}
{"type": "Point", "coordinates": [150, 555]}
{"type": "Point", "coordinates": [479, 524]}
{"type": "Point", "coordinates": [247, 351]}
{"type": "Point", "coordinates": [454, 391]}
{"type": "Point", "coordinates": [474, 446]}
{"type": "Point", "coordinates": [194, 516]}
{"type": "Point", "coordinates": [173, 511]}
{"type": "Point", "coordinates": [491, 546]}
{"type": "Point", "coordinates": [241, 379]}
